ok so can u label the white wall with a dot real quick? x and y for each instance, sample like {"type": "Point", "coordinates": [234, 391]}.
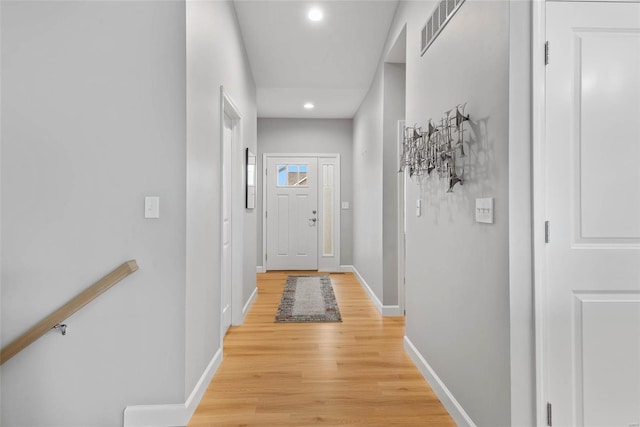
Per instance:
{"type": "Point", "coordinates": [90, 125]}
{"type": "Point", "coordinates": [93, 120]}
{"type": "Point", "coordinates": [367, 178]}
{"type": "Point", "coordinates": [458, 272]}
{"type": "Point", "coordinates": [375, 172]}
{"type": "Point", "coordinates": [311, 136]}
{"type": "Point", "coordinates": [393, 110]}
{"type": "Point", "coordinates": [215, 57]}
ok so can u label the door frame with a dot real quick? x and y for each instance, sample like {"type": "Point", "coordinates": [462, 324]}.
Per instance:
{"type": "Point", "coordinates": [336, 206]}
{"type": "Point", "coordinates": [229, 107]}
{"type": "Point", "coordinates": [538, 127]}
{"type": "Point", "coordinates": [540, 189]}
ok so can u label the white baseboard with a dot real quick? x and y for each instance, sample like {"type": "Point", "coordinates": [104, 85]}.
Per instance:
{"type": "Point", "coordinates": [347, 269]}
{"type": "Point", "coordinates": [374, 298]}
{"type": "Point", "coordinates": [172, 415]}
{"type": "Point", "coordinates": [385, 310]}
{"type": "Point", "coordinates": [260, 269]}
{"type": "Point", "coordinates": [392, 311]}
{"type": "Point", "coordinates": [249, 303]}
{"type": "Point", "coordinates": [454, 408]}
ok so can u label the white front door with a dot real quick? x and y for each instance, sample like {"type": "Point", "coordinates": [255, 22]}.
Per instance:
{"type": "Point", "coordinates": [292, 213]}
{"type": "Point", "coordinates": [227, 144]}
{"type": "Point", "coordinates": [591, 288]}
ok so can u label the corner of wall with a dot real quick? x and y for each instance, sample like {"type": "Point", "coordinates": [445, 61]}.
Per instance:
{"type": "Point", "coordinates": [522, 347]}
{"type": "Point", "coordinates": [173, 414]}
{"type": "Point", "coordinates": [385, 310]}
{"type": "Point", "coordinates": [213, 29]}
{"type": "Point", "coordinates": [448, 400]}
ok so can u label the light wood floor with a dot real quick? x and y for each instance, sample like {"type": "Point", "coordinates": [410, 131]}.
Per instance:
{"type": "Point", "coordinates": [353, 373]}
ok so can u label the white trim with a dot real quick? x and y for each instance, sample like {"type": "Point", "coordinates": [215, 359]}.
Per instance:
{"type": "Point", "coordinates": [347, 269]}
{"type": "Point", "coordinates": [522, 340]}
{"type": "Point", "coordinates": [264, 211]}
{"type": "Point", "coordinates": [172, 415]}
{"type": "Point", "coordinates": [392, 311]}
{"type": "Point", "coordinates": [247, 306]}
{"type": "Point", "coordinates": [455, 409]}
{"type": "Point", "coordinates": [260, 269]}
{"type": "Point", "coordinates": [384, 310]}
{"type": "Point", "coordinates": [374, 298]}
{"type": "Point", "coordinates": [1, 344]}
{"type": "Point", "coordinates": [228, 107]}
{"type": "Point", "coordinates": [538, 126]}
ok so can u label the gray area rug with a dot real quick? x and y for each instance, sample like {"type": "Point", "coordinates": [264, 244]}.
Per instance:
{"type": "Point", "coordinates": [308, 299]}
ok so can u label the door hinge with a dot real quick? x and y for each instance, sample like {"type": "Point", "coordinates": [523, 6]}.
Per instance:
{"type": "Point", "coordinates": [265, 214]}
{"type": "Point", "coordinates": [546, 231]}
{"type": "Point", "coordinates": [265, 256]}
{"type": "Point", "coordinates": [546, 53]}
{"type": "Point", "coordinates": [549, 420]}
{"type": "Point", "coordinates": [265, 170]}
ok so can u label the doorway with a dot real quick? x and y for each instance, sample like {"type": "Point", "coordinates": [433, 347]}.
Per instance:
{"type": "Point", "coordinates": [301, 202]}
{"type": "Point", "coordinates": [231, 213]}
{"type": "Point", "coordinates": [394, 193]}
{"type": "Point", "coordinates": [588, 251]}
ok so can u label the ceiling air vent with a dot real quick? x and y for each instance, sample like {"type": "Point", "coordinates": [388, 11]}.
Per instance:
{"type": "Point", "coordinates": [441, 15]}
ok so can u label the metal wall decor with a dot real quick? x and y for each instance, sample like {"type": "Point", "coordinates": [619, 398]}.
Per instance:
{"type": "Point", "coordinates": [438, 149]}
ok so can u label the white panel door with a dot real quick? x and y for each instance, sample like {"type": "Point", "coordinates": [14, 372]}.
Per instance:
{"type": "Point", "coordinates": [292, 213]}
{"type": "Point", "coordinates": [227, 144]}
{"type": "Point", "coordinates": [592, 165]}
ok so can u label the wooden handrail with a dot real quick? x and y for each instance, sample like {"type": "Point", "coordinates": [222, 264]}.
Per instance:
{"type": "Point", "coordinates": [82, 299]}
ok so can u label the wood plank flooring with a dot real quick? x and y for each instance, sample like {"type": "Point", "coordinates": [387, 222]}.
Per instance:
{"type": "Point", "coordinates": [354, 373]}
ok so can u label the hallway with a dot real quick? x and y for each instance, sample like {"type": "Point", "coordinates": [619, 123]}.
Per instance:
{"type": "Point", "coordinates": [351, 373]}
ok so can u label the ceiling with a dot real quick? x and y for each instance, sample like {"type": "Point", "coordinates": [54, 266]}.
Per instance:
{"type": "Point", "coordinates": [329, 63]}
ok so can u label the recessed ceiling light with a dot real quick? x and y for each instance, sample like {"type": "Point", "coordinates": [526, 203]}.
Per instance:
{"type": "Point", "coordinates": [309, 105]}
{"type": "Point", "coordinates": [315, 14]}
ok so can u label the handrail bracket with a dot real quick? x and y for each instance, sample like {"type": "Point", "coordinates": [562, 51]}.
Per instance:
{"type": "Point", "coordinates": [61, 327]}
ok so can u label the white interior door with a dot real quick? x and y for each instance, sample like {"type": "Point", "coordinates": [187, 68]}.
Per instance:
{"type": "Point", "coordinates": [292, 213]}
{"type": "Point", "coordinates": [592, 166]}
{"type": "Point", "coordinates": [227, 144]}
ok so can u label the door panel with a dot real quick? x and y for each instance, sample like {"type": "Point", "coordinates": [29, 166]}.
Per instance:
{"type": "Point", "coordinates": [292, 233]}
{"type": "Point", "coordinates": [608, 61]}
{"type": "Point", "coordinates": [281, 219]}
{"type": "Point", "coordinates": [227, 143]}
{"type": "Point", "coordinates": [302, 208]}
{"type": "Point", "coordinates": [608, 326]}
{"type": "Point", "coordinates": [592, 283]}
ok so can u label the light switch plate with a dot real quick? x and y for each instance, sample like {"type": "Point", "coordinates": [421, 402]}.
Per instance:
{"type": "Point", "coordinates": [418, 207]}
{"type": "Point", "coordinates": [484, 210]}
{"type": "Point", "coordinates": [152, 207]}
{"type": "Point", "coordinates": [345, 205]}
